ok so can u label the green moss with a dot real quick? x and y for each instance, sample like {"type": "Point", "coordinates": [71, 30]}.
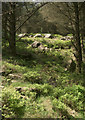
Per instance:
{"type": "Point", "coordinates": [43, 78]}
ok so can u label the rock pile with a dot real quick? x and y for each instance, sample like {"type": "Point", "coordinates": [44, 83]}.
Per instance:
{"type": "Point", "coordinates": [38, 45]}
{"type": "Point", "coordinates": [67, 38]}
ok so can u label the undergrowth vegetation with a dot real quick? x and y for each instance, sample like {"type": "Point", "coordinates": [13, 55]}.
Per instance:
{"type": "Point", "coordinates": [39, 84]}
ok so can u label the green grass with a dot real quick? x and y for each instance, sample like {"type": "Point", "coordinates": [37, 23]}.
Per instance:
{"type": "Point", "coordinates": [48, 90]}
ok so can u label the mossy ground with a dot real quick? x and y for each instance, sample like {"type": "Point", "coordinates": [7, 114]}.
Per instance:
{"type": "Point", "coordinates": [49, 89]}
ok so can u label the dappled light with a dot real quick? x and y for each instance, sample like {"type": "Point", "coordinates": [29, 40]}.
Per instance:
{"type": "Point", "coordinates": [43, 63]}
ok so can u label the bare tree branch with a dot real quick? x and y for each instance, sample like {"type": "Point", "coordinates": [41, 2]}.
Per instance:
{"type": "Point", "coordinates": [31, 15]}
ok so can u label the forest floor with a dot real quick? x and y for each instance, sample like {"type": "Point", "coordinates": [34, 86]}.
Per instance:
{"type": "Point", "coordinates": [41, 83]}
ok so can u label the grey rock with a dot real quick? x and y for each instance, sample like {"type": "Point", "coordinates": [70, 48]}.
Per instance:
{"type": "Point", "coordinates": [18, 89]}
{"type": "Point", "coordinates": [48, 36]}
{"type": "Point", "coordinates": [30, 36]}
{"type": "Point", "coordinates": [46, 49]}
{"type": "Point", "coordinates": [72, 66]}
{"type": "Point", "coordinates": [67, 38]}
{"type": "Point", "coordinates": [50, 49]}
{"type": "Point", "coordinates": [41, 48]}
{"type": "Point", "coordinates": [13, 81]}
{"type": "Point", "coordinates": [63, 38]}
{"type": "Point", "coordinates": [38, 35]}
{"type": "Point", "coordinates": [23, 35]}
{"type": "Point", "coordinates": [23, 89]}
{"type": "Point", "coordinates": [13, 76]}
{"type": "Point", "coordinates": [35, 44]}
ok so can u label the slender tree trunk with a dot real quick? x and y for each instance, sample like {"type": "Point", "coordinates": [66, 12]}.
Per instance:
{"type": "Point", "coordinates": [77, 38]}
{"type": "Point", "coordinates": [12, 29]}
{"type": "Point", "coordinates": [20, 21]}
{"type": "Point", "coordinates": [13, 36]}
{"type": "Point", "coordinates": [83, 29]}
{"type": "Point", "coordinates": [4, 24]}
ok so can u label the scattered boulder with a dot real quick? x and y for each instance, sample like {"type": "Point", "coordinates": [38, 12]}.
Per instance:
{"type": "Point", "coordinates": [38, 35]}
{"type": "Point", "coordinates": [23, 89]}
{"type": "Point", "coordinates": [13, 81]}
{"type": "Point", "coordinates": [35, 44]}
{"type": "Point", "coordinates": [48, 36]}
{"type": "Point", "coordinates": [22, 35]}
{"type": "Point", "coordinates": [41, 48]}
{"type": "Point", "coordinates": [67, 38]}
{"type": "Point", "coordinates": [18, 89]}
{"type": "Point", "coordinates": [13, 76]}
{"type": "Point", "coordinates": [46, 49]}
{"type": "Point", "coordinates": [63, 38]}
{"type": "Point", "coordinates": [30, 36]}
{"type": "Point", "coordinates": [69, 62]}
{"type": "Point", "coordinates": [5, 71]}
{"type": "Point", "coordinates": [24, 97]}
{"type": "Point", "coordinates": [72, 67]}
{"type": "Point", "coordinates": [50, 49]}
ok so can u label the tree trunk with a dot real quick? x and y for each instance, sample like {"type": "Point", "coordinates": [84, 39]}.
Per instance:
{"type": "Point", "coordinates": [77, 38]}
{"type": "Point", "coordinates": [83, 28]}
{"type": "Point", "coordinates": [12, 29]}
{"type": "Point", "coordinates": [4, 24]}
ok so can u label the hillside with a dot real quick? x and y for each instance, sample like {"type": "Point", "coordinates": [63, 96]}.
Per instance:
{"type": "Point", "coordinates": [41, 82]}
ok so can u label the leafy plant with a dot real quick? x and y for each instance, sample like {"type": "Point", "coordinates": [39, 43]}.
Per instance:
{"type": "Point", "coordinates": [12, 104]}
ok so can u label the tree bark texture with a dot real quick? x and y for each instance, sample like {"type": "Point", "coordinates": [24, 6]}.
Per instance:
{"type": "Point", "coordinates": [77, 39]}
{"type": "Point", "coordinates": [12, 29]}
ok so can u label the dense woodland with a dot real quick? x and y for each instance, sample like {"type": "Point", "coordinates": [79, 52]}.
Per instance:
{"type": "Point", "coordinates": [43, 60]}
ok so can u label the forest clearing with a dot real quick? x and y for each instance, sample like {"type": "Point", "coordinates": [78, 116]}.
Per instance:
{"type": "Point", "coordinates": [43, 60]}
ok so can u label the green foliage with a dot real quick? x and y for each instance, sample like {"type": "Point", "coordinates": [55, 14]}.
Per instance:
{"type": "Point", "coordinates": [43, 77]}
{"type": "Point", "coordinates": [31, 34]}
{"type": "Point", "coordinates": [69, 35]}
{"type": "Point", "coordinates": [33, 76]}
{"type": "Point", "coordinates": [56, 43]}
{"type": "Point", "coordinates": [12, 104]}
{"type": "Point", "coordinates": [72, 97]}
{"type": "Point", "coordinates": [57, 35]}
